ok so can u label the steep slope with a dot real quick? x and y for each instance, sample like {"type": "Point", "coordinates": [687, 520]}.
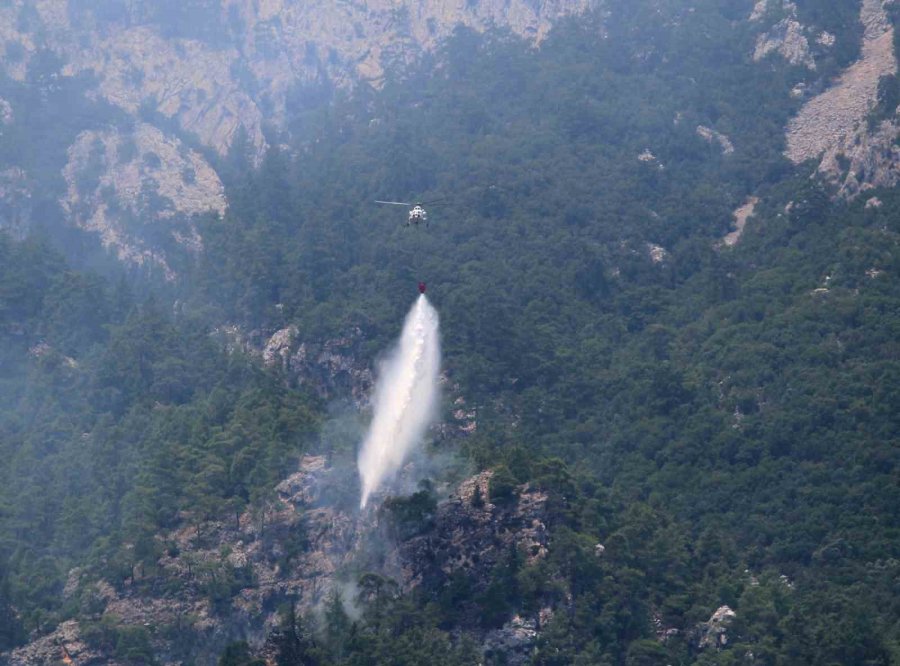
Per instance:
{"type": "Point", "coordinates": [213, 83]}
{"type": "Point", "coordinates": [305, 546]}
{"type": "Point", "coordinates": [118, 185]}
{"type": "Point", "coordinates": [832, 127]}
{"type": "Point", "coordinates": [690, 440]}
{"type": "Point", "coordinates": [211, 72]}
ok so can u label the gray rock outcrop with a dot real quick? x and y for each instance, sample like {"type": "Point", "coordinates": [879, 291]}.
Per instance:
{"type": "Point", "coordinates": [117, 182]}
{"type": "Point", "coordinates": [712, 136]}
{"type": "Point", "coordinates": [787, 37]}
{"type": "Point", "coordinates": [741, 215]}
{"type": "Point", "coordinates": [714, 632]}
{"type": "Point", "coordinates": [296, 546]}
{"type": "Point", "coordinates": [832, 127]}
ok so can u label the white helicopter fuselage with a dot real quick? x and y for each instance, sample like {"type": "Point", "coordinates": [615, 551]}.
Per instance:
{"type": "Point", "coordinates": [417, 214]}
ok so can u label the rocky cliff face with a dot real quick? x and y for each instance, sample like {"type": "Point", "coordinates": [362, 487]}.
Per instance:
{"type": "Point", "coordinates": [832, 127]}
{"type": "Point", "coordinates": [714, 632]}
{"type": "Point", "coordinates": [475, 536]}
{"type": "Point", "coordinates": [786, 37]}
{"type": "Point", "coordinates": [331, 368]}
{"type": "Point", "coordinates": [211, 70]}
{"type": "Point", "coordinates": [300, 545]}
{"type": "Point", "coordinates": [336, 368]}
{"type": "Point", "coordinates": [211, 85]}
{"type": "Point", "coordinates": [115, 179]}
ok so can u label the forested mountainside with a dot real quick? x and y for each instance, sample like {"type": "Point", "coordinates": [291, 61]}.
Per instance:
{"type": "Point", "coordinates": [671, 373]}
{"type": "Point", "coordinates": [118, 113]}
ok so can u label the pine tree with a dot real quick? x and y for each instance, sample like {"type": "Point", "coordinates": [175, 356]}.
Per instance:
{"type": "Point", "coordinates": [292, 645]}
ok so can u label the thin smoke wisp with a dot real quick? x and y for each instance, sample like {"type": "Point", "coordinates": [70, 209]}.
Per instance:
{"type": "Point", "coordinates": [405, 401]}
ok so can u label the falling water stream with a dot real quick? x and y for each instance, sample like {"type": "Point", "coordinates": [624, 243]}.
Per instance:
{"type": "Point", "coordinates": [405, 400]}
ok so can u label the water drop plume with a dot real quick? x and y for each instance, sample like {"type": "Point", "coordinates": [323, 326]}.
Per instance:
{"type": "Point", "coordinates": [406, 398]}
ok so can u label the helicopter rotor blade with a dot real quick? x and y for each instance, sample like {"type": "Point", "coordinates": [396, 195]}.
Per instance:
{"type": "Point", "coordinates": [394, 203]}
{"type": "Point", "coordinates": [434, 201]}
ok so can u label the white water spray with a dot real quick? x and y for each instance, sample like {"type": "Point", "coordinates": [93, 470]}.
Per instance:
{"type": "Point", "coordinates": [406, 398]}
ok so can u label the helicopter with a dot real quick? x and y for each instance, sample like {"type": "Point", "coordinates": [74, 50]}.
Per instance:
{"type": "Point", "coordinates": [417, 212]}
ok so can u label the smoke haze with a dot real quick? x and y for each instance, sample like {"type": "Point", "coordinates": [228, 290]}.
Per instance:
{"type": "Point", "coordinates": [406, 398]}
